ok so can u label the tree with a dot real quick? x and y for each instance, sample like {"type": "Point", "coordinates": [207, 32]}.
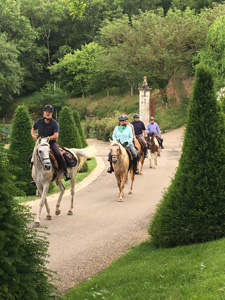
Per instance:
{"type": "Point", "coordinates": [21, 147]}
{"type": "Point", "coordinates": [23, 274]}
{"type": "Point", "coordinates": [76, 117]}
{"type": "Point", "coordinates": [214, 53]}
{"type": "Point", "coordinates": [69, 134]}
{"type": "Point", "coordinates": [193, 208]}
{"type": "Point", "coordinates": [11, 73]}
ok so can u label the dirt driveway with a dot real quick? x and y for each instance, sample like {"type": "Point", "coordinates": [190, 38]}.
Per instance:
{"type": "Point", "coordinates": [101, 228]}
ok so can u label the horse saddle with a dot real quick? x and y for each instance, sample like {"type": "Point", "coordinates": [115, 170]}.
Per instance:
{"type": "Point", "coordinates": [70, 159]}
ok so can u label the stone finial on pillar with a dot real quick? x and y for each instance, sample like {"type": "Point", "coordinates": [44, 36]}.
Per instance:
{"type": "Point", "coordinates": [144, 101]}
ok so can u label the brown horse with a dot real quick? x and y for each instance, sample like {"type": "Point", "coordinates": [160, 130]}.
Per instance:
{"type": "Point", "coordinates": [142, 159]}
{"type": "Point", "coordinates": [120, 163]}
{"type": "Point", "coordinates": [154, 150]}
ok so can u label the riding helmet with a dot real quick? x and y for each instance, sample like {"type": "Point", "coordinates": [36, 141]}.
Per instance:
{"type": "Point", "coordinates": [135, 116]}
{"type": "Point", "coordinates": [152, 118]}
{"type": "Point", "coordinates": [122, 118]}
{"type": "Point", "coordinates": [48, 107]}
{"type": "Point", "coordinates": [126, 117]}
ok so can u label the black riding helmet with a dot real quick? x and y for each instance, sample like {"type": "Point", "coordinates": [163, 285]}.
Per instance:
{"type": "Point", "coordinates": [126, 117]}
{"type": "Point", "coordinates": [135, 116]}
{"type": "Point", "coordinates": [122, 118]}
{"type": "Point", "coordinates": [48, 107]}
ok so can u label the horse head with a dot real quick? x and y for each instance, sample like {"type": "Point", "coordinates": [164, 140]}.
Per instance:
{"type": "Point", "coordinates": [43, 151]}
{"type": "Point", "coordinates": [115, 148]}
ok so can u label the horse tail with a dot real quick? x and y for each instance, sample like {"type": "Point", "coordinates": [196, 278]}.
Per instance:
{"type": "Point", "coordinates": [83, 154]}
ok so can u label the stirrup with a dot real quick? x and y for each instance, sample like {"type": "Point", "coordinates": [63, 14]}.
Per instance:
{"type": "Point", "coordinates": [136, 172]}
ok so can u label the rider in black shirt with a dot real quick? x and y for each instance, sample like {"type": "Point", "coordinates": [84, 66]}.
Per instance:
{"type": "Point", "coordinates": [48, 127]}
{"type": "Point", "coordinates": [139, 129]}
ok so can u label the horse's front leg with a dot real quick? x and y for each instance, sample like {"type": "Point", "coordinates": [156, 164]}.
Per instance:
{"type": "Point", "coordinates": [150, 160]}
{"type": "Point", "coordinates": [61, 192]}
{"type": "Point", "coordinates": [43, 190]}
{"type": "Point", "coordinates": [132, 175]}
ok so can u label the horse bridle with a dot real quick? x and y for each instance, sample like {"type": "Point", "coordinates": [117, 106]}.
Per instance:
{"type": "Point", "coordinates": [43, 159]}
{"type": "Point", "coordinates": [115, 157]}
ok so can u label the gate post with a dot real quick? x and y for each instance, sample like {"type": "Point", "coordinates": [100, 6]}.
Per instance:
{"type": "Point", "coordinates": [144, 101]}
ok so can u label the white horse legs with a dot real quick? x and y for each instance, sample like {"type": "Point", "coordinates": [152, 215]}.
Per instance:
{"type": "Point", "coordinates": [43, 190]}
{"type": "Point", "coordinates": [72, 183]}
{"type": "Point", "coordinates": [153, 160]}
{"type": "Point", "coordinates": [61, 192]}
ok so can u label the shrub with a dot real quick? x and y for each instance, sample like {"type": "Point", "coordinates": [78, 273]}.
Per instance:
{"type": "Point", "coordinates": [193, 208]}
{"type": "Point", "coordinates": [76, 117]}
{"type": "Point", "coordinates": [23, 274]}
{"type": "Point", "coordinates": [69, 136]}
{"type": "Point", "coordinates": [21, 146]}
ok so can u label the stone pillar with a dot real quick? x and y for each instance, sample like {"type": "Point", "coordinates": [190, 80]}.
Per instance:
{"type": "Point", "coordinates": [144, 101]}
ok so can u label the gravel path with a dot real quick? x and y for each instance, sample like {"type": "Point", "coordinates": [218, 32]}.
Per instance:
{"type": "Point", "coordinates": [101, 228]}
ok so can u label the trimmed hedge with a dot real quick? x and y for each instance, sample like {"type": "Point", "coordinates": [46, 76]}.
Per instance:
{"type": "Point", "coordinates": [76, 117]}
{"type": "Point", "coordinates": [193, 208]}
{"type": "Point", "coordinates": [21, 147]}
{"type": "Point", "coordinates": [69, 136]}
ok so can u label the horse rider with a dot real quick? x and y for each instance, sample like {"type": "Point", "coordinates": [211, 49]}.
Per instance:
{"type": "Point", "coordinates": [131, 126]}
{"type": "Point", "coordinates": [139, 129]}
{"type": "Point", "coordinates": [48, 127]}
{"type": "Point", "coordinates": [123, 133]}
{"type": "Point", "coordinates": [153, 128]}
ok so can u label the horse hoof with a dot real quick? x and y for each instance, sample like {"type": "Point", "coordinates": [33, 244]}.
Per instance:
{"type": "Point", "coordinates": [150, 167]}
{"type": "Point", "coordinates": [48, 217]}
{"type": "Point", "coordinates": [120, 200]}
{"type": "Point", "coordinates": [70, 213]}
{"type": "Point", "coordinates": [129, 193]}
{"type": "Point", "coordinates": [36, 224]}
{"type": "Point", "coordinates": [58, 212]}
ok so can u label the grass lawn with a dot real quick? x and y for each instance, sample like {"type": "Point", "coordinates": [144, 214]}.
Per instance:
{"type": "Point", "coordinates": [79, 177]}
{"type": "Point", "coordinates": [146, 273]}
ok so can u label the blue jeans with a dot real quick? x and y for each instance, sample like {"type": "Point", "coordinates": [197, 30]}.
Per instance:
{"type": "Point", "coordinates": [133, 151]}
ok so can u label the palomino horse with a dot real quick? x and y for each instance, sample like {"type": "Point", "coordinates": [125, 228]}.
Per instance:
{"type": "Point", "coordinates": [43, 171]}
{"type": "Point", "coordinates": [154, 150]}
{"type": "Point", "coordinates": [120, 163]}
{"type": "Point", "coordinates": [142, 159]}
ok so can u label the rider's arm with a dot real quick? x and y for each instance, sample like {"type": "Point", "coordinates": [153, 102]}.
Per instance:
{"type": "Point", "coordinates": [130, 136]}
{"type": "Point", "coordinates": [33, 134]}
{"type": "Point", "coordinates": [158, 130]}
{"type": "Point", "coordinates": [54, 136]}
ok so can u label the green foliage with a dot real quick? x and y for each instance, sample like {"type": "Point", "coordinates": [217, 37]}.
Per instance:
{"type": "Point", "coordinates": [10, 72]}
{"type": "Point", "coordinates": [48, 95]}
{"type": "Point", "coordinates": [23, 274]}
{"type": "Point", "coordinates": [214, 53]}
{"type": "Point", "coordinates": [193, 208]}
{"type": "Point", "coordinates": [69, 134]}
{"type": "Point", "coordinates": [76, 117]}
{"type": "Point", "coordinates": [21, 147]}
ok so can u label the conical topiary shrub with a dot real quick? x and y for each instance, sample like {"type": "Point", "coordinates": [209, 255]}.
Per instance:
{"type": "Point", "coordinates": [21, 147]}
{"type": "Point", "coordinates": [193, 208]}
{"type": "Point", "coordinates": [23, 248]}
{"type": "Point", "coordinates": [76, 117]}
{"type": "Point", "coordinates": [84, 144]}
{"type": "Point", "coordinates": [69, 135]}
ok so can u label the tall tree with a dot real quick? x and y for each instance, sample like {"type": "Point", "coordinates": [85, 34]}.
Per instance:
{"type": "Point", "coordinates": [193, 208]}
{"type": "Point", "coordinates": [76, 117]}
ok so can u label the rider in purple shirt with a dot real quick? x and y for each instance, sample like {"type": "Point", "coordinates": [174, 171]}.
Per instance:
{"type": "Point", "coordinates": [153, 127]}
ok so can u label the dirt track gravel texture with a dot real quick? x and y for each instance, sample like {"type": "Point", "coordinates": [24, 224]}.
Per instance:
{"type": "Point", "coordinates": [101, 229]}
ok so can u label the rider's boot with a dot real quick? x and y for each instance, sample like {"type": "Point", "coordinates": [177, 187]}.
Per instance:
{"type": "Point", "coordinates": [64, 167]}
{"type": "Point", "coordinates": [110, 169]}
{"type": "Point", "coordinates": [135, 166]}
{"type": "Point", "coordinates": [33, 183]}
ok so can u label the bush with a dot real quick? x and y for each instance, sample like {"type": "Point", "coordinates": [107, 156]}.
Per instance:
{"type": "Point", "coordinates": [76, 117]}
{"type": "Point", "coordinates": [69, 135]}
{"type": "Point", "coordinates": [21, 147]}
{"type": "Point", "coordinates": [193, 208]}
{"type": "Point", "coordinates": [23, 274]}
